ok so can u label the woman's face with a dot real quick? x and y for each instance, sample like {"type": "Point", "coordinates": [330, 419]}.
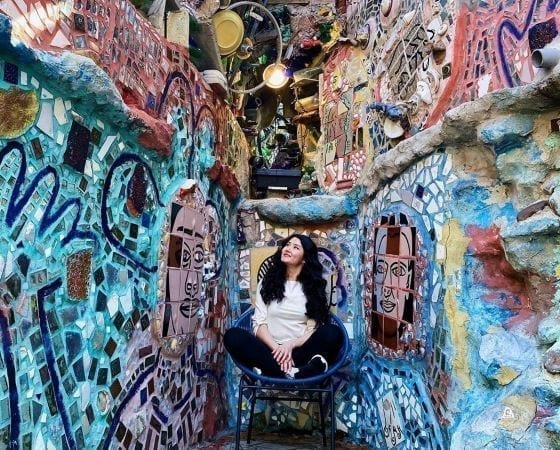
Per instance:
{"type": "Point", "coordinates": [392, 273]}
{"type": "Point", "coordinates": [292, 253]}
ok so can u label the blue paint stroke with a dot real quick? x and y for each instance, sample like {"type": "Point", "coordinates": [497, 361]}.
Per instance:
{"type": "Point", "coordinates": [121, 160]}
{"type": "Point", "coordinates": [518, 34]}
{"type": "Point", "coordinates": [162, 417]}
{"type": "Point", "coordinates": [15, 418]}
{"type": "Point", "coordinates": [552, 4]}
{"type": "Point", "coordinates": [52, 215]}
{"type": "Point", "coordinates": [42, 294]}
{"type": "Point", "coordinates": [206, 373]}
{"type": "Point", "coordinates": [170, 78]}
{"type": "Point", "coordinates": [133, 390]}
{"type": "Point", "coordinates": [183, 401]}
{"type": "Point", "coordinates": [198, 121]}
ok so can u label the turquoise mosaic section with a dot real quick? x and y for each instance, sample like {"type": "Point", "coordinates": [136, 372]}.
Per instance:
{"type": "Point", "coordinates": [83, 210]}
{"type": "Point", "coordinates": [402, 394]}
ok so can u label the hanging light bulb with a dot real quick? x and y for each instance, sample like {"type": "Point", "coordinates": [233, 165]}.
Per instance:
{"type": "Point", "coordinates": [275, 75]}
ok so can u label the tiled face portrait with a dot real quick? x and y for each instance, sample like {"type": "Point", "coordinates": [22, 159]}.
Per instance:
{"type": "Point", "coordinates": [180, 310]}
{"type": "Point", "coordinates": [185, 261]}
{"type": "Point", "coordinates": [394, 254]}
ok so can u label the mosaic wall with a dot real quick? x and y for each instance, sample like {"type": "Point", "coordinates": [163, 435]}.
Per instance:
{"type": "Point", "coordinates": [344, 139]}
{"type": "Point", "coordinates": [427, 57]}
{"type": "Point", "coordinates": [404, 352]}
{"type": "Point", "coordinates": [421, 355]}
{"type": "Point", "coordinates": [413, 61]}
{"type": "Point", "coordinates": [127, 46]}
{"type": "Point", "coordinates": [111, 255]}
{"type": "Point", "coordinates": [153, 75]}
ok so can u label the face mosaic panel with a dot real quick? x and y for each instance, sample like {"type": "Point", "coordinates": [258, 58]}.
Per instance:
{"type": "Point", "coordinates": [393, 297]}
{"type": "Point", "coordinates": [92, 353]}
{"type": "Point", "coordinates": [191, 262]}
{"type": "Point", "coordinates": [345, 92]}
{"type": "Point", "coordinates": [392, 304]}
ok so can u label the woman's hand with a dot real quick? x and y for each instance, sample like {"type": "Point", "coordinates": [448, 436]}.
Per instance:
{"type": "Point", "coordinates": [283, 355]}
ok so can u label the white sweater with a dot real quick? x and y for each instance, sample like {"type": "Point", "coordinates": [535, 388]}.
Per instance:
{"type": "Point", "coordinates": [285, 320]}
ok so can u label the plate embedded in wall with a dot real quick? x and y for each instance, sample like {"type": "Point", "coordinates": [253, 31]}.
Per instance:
{"type": "Point", "coordinates": [229, 31]}
{"type": "Point", "coordinates": [389, 12]}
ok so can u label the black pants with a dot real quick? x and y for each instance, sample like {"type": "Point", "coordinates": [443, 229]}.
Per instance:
{"type": "Point", "coordinates": [250, 351]}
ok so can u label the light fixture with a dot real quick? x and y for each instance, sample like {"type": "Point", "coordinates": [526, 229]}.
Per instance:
{"type": "Point", "coordinates": [274, 75]}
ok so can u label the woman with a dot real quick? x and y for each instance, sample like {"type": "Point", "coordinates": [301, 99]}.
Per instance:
{"type": "Point", "coordinates": [291, 336]}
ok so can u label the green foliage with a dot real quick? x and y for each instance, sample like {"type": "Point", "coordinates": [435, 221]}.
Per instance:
{"type": "Point", "coordinates": [308, 169]}
{"type": "Point", "coordinates": [142, 5]}
{"type": "Point", "coordinates": [325, 32]}
{"type": "Point", "coordinates": [195, 55]}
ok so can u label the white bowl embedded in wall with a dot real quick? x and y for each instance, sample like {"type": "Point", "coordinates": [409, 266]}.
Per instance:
{"type": "Point", "coordinates": [392, 128]}
{"type": "Point", "coordinates": [390, 10]}
{"type": "Point", "coordinates": [216, 80]}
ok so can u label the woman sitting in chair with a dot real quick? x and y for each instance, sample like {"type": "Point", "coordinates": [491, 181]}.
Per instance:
{"type": "Point", "coordinates": [291, 334]}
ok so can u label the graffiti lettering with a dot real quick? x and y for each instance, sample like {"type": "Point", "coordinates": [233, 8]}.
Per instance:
{"type": "Point", "coordinates": [406, 59]}
{"type": "Point", "coordinates": [390, 420]}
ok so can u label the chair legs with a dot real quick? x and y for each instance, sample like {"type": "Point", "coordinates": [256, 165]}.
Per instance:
{"type": "Point", "coordinates": [239, 404]}
{"type": "Point", "coordinates": [251, 415]}
{"type": "Point", "coordinates": [322, 417]}
{"type": "Point", "coordinates": [333, 414]}
{"type": "Point", "coordinates": [253, 398]}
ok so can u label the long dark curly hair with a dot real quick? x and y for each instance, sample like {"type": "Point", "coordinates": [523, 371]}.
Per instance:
{"type": "Point", "coordinates": [310, 277]}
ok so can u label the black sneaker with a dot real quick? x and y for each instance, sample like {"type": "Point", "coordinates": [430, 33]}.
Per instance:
{"type": "Point", "coordinates": [316, 365]}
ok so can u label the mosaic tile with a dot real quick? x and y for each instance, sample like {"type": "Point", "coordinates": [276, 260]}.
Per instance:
{"type": "Point", "coordinates": [79, 274]}
{"type": "Point", "coordinates": [45, 121]}
{"type": "Point", "coordinates": [11, 73]}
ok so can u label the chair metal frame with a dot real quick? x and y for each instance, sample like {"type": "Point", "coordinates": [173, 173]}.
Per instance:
{"type": "Point", "coordinates": [311, 389]}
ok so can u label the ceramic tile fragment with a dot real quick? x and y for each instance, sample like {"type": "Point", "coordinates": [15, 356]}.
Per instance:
{"type": "Point", "coordinates": [60, 111]}
{"type": "Point", "coordinates": [45, 120]}
{"type": "Point", "coordinates": [105, 147]}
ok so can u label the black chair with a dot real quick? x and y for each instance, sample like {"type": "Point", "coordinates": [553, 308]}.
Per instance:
{"type": "Point", "coordinates": [309, 389]}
